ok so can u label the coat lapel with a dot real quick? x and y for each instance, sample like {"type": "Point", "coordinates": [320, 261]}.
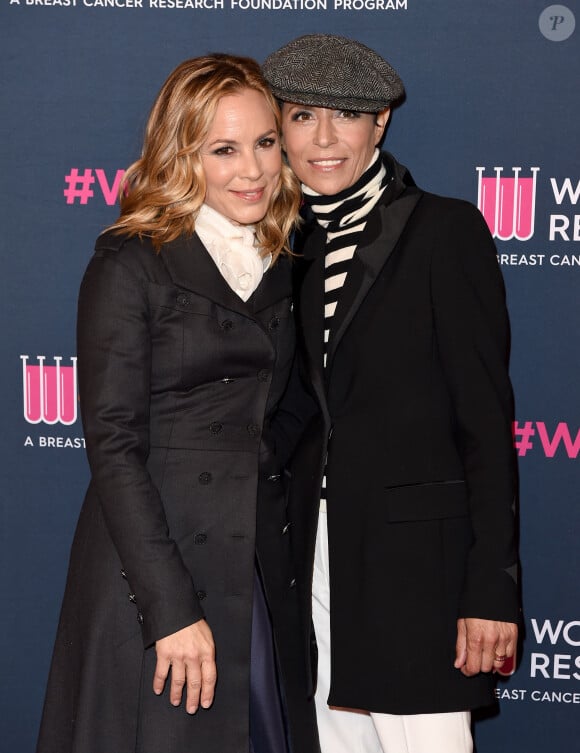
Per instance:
{"type": "Point", "coordinates": [312, 309]}
{"type": "Point", "coordinates": [191, 267]}
{"type": "Point", "coordinates": [275, 286]}
{"type": "Point", "coordinates": [380, 237]}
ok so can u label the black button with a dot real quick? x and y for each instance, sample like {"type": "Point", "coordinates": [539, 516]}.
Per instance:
{"type": "Point", "coordinates": [182, 299]}
{"type": "Point", "coordinates": [140, 618]}
{"type": "Point", "coordinates": [263, 375]}
{"type": "Point", "coordinates": [201, 595]}
{"type": "Point", "coordinates": [132, 598]}
{"type": "Point", "coordinates": [293, 583]}
{"type": "Point", "coordinates": [215, 427]}
{"type": "Point", "coordinates": [123, 574]}
{"type": "Point", "coordinates": [205, 478]}
{"type": "Point", "coordinates": [227, 380]}
{"type": "Point", "coordinates": [274, 323]}
{"type": "Point", "coordinates": [274, 477]}
{"type": "Point", "coordinates": [199, 538]}
{"type": "Point", "coordinates": [227, 324]}
{"type": "Point", "coordinates": [286, 528]}
{"type": "Point", "coordinates": [253, 430]}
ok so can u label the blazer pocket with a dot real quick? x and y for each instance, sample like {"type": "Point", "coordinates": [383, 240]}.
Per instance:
{"type": "Point", "coordinates": [178, 299]}
{"type": "Point", "coordinates": [433, 500]}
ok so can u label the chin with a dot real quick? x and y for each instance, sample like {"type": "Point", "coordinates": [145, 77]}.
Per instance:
{"type": "Point", "coordinates": [248, 218]}
{"type": "Point", "coordinates": [326, 188]}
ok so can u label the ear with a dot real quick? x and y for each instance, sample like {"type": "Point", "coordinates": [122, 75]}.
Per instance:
{"type": "Point", "coordinates": [381, 120]}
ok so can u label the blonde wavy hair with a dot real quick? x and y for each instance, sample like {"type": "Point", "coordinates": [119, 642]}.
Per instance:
{"type": "Point", "coordinates": [161, 192]}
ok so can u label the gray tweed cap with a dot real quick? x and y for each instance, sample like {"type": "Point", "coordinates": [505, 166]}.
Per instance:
{"type": "Point", "coordinates": [325, 70]}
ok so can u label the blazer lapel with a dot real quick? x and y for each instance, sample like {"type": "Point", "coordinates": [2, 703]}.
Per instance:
{"type": "Point", "coordinates": [311, 310]}
{"type": "Point", "coordinates": [191, 267]}
{"type": "Point", "coordinates": [275, 286]}
{"type": "Point", "coordinates": [379, 239]}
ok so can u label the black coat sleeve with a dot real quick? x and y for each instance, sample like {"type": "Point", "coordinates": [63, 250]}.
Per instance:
{"type": "Point", "coordinates": [472, 332]}
{"type": "Point", "coordinates": [114, 361]}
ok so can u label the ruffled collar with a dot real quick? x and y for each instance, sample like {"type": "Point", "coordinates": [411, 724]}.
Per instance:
{"type": "Point", "coordinates": [233, 249]}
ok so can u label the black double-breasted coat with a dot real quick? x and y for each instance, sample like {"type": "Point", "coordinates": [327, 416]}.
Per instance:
{"type": "Point", "coordinates": [415, 430]}
{"type": "Point", "coordinates": [179, 382]}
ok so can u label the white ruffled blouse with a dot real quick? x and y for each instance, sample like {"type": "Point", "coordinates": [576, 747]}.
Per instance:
{"type": "Point", "coordinates": [233, 249]}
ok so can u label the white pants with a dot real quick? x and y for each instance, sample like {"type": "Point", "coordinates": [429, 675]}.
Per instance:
{"type": "Point", "coordinates": [345, 731]}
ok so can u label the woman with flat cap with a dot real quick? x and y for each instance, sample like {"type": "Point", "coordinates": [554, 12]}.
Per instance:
{"type": "Point", "coordinates": [404, 484]}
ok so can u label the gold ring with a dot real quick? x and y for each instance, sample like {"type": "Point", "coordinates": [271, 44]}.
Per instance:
{"type": "Point", "coordinates": [501, 658]}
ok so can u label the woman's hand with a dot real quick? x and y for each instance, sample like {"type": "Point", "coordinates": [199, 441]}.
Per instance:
{"type": "Point", "coordinates": [190, 654]}
{"type": "Point", "coordinates": [484, 645]}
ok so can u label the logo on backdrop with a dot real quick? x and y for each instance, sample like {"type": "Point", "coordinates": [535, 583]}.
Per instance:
{"type": "Point", "coordinates": [507, 198]}
{"type": "Point", "coordinates": [80, 185]}
{"type": "Point", "coordinates": [49, 392]}
{"type": "Point", "coordinates": [49, 396]}
{"type": "Point", "coordinates": [553, 667]}
{"type": "Point", "coordinates": [508, 203]}
{"type": "Point", "coordinates": [561, 441]}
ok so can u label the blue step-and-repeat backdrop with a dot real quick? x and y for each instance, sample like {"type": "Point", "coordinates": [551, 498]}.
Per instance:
{"type": "Point", "coordinates": [491, 115]}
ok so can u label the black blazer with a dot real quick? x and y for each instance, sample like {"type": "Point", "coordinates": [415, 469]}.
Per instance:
{"type": "Point", "coordinates": [415, 415]}
{"type": "Point", "coordinates": [179, 381]}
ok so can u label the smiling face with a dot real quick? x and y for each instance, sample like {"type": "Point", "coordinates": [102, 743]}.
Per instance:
{"type": "Point", "coordinates": [330, 149]}
{"type": "Point", "coordinates": [241, 158]}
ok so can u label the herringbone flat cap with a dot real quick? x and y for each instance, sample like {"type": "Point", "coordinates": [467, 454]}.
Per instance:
{"type": "Point", "coordinates": [325, 70]}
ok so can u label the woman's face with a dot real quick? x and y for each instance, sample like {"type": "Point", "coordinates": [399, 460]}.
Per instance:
{"type": "Point", "coordinates": [330, 149]}
{"type": "Point", "coordinates": [241, 158]}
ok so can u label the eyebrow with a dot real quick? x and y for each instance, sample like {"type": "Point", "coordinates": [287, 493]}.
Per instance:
{"type": "Point", "coordinates": [231, 142]}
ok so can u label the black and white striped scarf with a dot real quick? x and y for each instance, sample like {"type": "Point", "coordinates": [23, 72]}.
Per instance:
{"type": "Point", "coordinates": [344, 216]}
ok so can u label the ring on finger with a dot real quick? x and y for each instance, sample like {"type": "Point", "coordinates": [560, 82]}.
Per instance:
{"type": "Point", "coordinates": [500, 658]}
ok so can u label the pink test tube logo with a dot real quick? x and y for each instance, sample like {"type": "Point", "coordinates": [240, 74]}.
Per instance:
{"type": "Point", "coordinates": [49, 392]}
{"type": "Point", "coordinates": [508, 204]}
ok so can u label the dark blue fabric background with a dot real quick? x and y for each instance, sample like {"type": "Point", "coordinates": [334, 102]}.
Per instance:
{"type": "Point", "coordinates": [484, 88]}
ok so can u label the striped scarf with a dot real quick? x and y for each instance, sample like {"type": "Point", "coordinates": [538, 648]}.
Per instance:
{"type": "Point", "coordinates": [344, 216]}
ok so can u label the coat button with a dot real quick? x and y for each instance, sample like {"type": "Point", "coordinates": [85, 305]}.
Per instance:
{"type": "Point", "coordinates": [199, 538]}
{"type": "Point", "coordinates": [253, 430]}
{"type": "Point", "coordinates": [227, 380]}
{"type": "Point", "coordinates": [123, 574]}
{"type": "Point", "coordinates": [140, 618]}
{"type": "Point", "coordinates": [215, 427]}
{"type": "Point", "coordinates": [293, 583]}
{"type": "Point", "coordinates": [205, 478]}
{"type": "Point", "coordinates": [274, 477]}
{"type": "Point", "coordinates": [227, 324]}
{"type": "Point", "coordinates": [274, 323]}
{"type": "Point", "coordinates": [263, 375]}
{"type": "Point", "coordinates": [201, 595]}
{"type": "Point", "coordinates": [286, 528]}
{"type": "Point", "coordinates": [132, 598]}
{"type": "Point", "coordinates": [182, 299]}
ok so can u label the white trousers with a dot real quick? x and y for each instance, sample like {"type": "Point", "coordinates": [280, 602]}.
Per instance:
{"type": "Point", "coordinates": [352, 731]}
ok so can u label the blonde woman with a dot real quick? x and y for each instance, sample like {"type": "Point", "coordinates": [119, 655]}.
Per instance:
{"type": "Point", "coordinates": [177, 632]}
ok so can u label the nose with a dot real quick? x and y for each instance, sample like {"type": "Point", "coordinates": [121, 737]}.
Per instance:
{"type": "Point", "coordinates": [251, 165]}
{"type": "Point", "coordinates": [324, 134]}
